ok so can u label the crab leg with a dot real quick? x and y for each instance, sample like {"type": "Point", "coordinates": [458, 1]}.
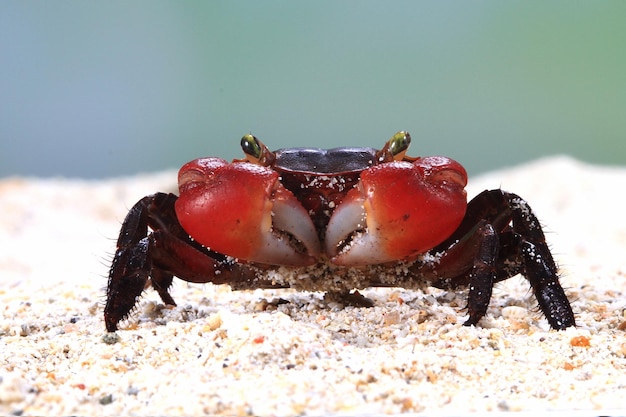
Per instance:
{"type": "Point", "coordinates": [539, 266]}
{"type": "Point", "coordinates": [144, 258]}
{"type": "Point", "coordinates": [505, 238]}
{"type": "Point", "coordinates": [483, 274]}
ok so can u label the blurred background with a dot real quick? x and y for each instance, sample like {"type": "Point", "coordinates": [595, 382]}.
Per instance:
{"type": "Point", "coordinates": [107, 89]}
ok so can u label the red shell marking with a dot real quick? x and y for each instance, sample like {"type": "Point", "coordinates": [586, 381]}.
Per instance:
{"type": "Point", "coordinates": [229, 208]}
{"type": "Point", "coordinates": [415, 208]}
{"type": "Point", "coordinates": [217, 214]}
{"type": "Point", "coordinates": [397, 210]}
{"type": "Point", "coordinates": [409, 208]}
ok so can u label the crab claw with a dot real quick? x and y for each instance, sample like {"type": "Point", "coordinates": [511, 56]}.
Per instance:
{"type": "Point", "coordinates": [398, 210]}
{"type": "Point", "coordinates": [242, 210]}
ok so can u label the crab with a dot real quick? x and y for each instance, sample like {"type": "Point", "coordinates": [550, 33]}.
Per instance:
{"type": "Point", "coordinates": [336, 221]}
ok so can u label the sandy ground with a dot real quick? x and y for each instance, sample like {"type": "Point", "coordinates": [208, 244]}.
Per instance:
{"type": "Point", "coordinates": [224, 352]}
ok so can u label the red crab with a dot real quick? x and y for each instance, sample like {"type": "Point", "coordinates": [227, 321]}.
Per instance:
{"type": "Point", "coordinates": [334, 221]}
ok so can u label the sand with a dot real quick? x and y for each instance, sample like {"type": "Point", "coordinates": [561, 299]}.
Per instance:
{"type": "Point", "coordinates": [234, 352]}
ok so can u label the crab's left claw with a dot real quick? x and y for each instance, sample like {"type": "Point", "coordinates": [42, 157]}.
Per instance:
{"type": "Point", "coordinates": [242, 210]}
{"type": "Point", "coordinates": [399, 210]}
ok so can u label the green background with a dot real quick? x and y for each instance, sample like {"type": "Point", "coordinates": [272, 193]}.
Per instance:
{"type": "Point", "coordinates": [99, 89]}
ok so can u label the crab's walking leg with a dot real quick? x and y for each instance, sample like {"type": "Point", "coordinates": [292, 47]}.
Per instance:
{"type": "Point", "coordinates": [524, 250]}
{"type": "Point", "coordinates": [131, 265]}
{"type": "Point", "coordinates": [499, 238]}
{"type": "Point", "coordinates": [539, 266]}
{"type": "Point", "coordinates": [483, 274]}
{"type": "Point", "coordinates": [144, 258]}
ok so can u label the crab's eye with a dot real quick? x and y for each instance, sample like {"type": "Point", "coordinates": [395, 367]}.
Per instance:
{"type": "Point", "coordinates": [398, 145]}
{"type": "Point", "coordinates": [256, 152]}
{"type": "Point", "coordinates": [395, 148]}
{"type": "Point", "coordinates": [252, 147]}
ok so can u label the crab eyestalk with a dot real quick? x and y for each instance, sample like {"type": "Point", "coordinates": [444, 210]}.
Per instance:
{"type": "Point", "coordinates": [256, 151]}
{"type": "Point", "coordinates": [395, 148]}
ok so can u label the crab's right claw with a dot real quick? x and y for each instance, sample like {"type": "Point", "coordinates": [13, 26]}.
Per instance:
{"type": "Point", "coordinates": [399, 210]}
{"type": "Point", "coordinates": [242, 210]}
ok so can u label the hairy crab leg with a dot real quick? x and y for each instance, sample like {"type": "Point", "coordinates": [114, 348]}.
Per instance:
{"type": "Point", "coordinates": [539, 266]}
{"type": "Point", "coordinates": [144, 258]}
{"type": "Point", "coordinates": [514, 244]}
{"type": "Point", "coordinates": [127, 279]}
{"type": "Point", "coordinates": [483, 274]}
